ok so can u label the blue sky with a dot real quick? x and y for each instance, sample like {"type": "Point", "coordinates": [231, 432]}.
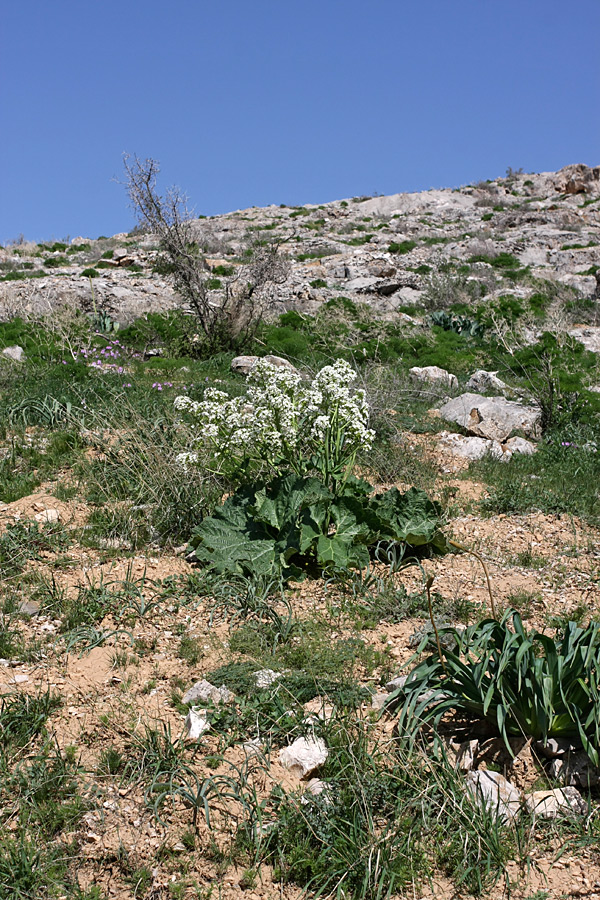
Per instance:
{"type": "Point", "coordinates": [281, 101]}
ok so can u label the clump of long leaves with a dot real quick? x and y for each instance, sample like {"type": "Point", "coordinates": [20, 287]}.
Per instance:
{"type": "Point", "coordinates": [524, 683]}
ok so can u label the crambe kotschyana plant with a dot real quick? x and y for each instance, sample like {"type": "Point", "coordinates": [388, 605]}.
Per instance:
{"type": "Point", "coordinates": [291, 445]}
{"type": "Point", "coordinates": [285, 424]}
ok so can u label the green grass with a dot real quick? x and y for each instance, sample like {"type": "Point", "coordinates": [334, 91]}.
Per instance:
{"type": "Point", "coordinates": [561, 478]}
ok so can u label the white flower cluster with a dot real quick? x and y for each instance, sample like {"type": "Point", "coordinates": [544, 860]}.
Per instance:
{"type": "Point", "coordinates": [331, 407]}
{"type": "Point", "coordinates": [283, 418]}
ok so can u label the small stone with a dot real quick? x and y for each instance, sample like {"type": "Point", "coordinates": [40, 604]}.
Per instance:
{"type": "Point", "coordinates": [471, 447]}
{"type": "Point", "coordinates": [320, 709]}
{"type": "Point", "coordinates": [196, 723]}
{"type": "Point", "coordinates": [29, 608]}
{"type": "Point", "coordinates": [47, 516]}
{"type": "Point", "coordinates": [396, 683]}
{"type": "Point", "coordinates": [266, 677]}
{"type": "Point", "coordinates": [21, 679]}
{"type": "Point", "coordinates": [485, 381]}
{"type": "Point", "coordinates": [493, 791]}
{"type": "Point", "coordinates": [559, 802]}
{"type": "Point", "coordinates": [554, 747]}
{"type": "Point", "coordinates": [575, 770]}
{"type": "Point", "coordinates": [466, 754]}
{"type": "Point", "coordinates": [15, 353]}
{"type": "Point", "coordinates": [252, 748]}
{"type": "Point", "coordinates": [316, 788]}
{"type": "Point", "coordinates": [303, 756]}
{"type": "Point", "coordinates": [204, 691]}
{"type": "Point", "coordinates": [433, 375]}
{"type": "Point", "coordinates": [520, 445]}
{"type": "Point", "coordinates": [378, 700]}
{"type": "Point", "coordinates": [243, 365]}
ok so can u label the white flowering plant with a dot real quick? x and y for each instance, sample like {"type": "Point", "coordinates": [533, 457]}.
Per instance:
{"type": "Point", "coordinates": [284, 424]}
{"type": "Point", "coordinates": [292, 445]}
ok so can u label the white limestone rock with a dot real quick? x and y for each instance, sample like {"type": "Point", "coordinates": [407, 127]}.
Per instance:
{"type": "Point", "coordinates": [266, 677]}
{"type": "Point", "coordinates": [196, 723]}
{"type": "Point", "coordinates": [15, 353]}
{"type": "Point", "coordinates": [304, 756]}
{"type": "Point", "coordinates": [485, 381]}
{"type": "Point", "coordinates": [243, 365]}
{"type": "Point", "coordinates": [433, 375]}
{"type": "Point", "coordinates": [493, 791]}
{"type": "Point", "coordinates": [470, 447]}
{"type": "Point", "coordinates": [559, 802]}
{"type": "Point", "coordinates": [204, 691]}
{"type": "Point", "coordinates": [494, 418]}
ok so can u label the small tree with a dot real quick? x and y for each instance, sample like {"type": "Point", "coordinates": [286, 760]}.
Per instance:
{"type": "Point", "coordinates": [229, 315]}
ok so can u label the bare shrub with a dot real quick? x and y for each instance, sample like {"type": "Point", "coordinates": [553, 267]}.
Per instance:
{"type": "Point", "coordinates": [443, 289]}
{"type": "Point", "coordinates": [228, 310]}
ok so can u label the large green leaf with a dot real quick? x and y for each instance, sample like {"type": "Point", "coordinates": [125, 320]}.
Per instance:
{"type": "Point", "coordinates": [291, 523]}
{"type": "Point", "coordinates": [410, 517]}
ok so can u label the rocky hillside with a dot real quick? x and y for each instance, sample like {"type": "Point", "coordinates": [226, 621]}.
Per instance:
{"type": "Point", "coordinates": [396, 253]}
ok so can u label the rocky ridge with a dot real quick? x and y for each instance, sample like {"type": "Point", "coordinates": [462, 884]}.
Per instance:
{"type": "Point", "coordinates": [390, 252]}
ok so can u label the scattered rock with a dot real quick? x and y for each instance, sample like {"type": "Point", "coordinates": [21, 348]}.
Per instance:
{"type": "Point", "coordinates": [196, 723]}
{"type": "Point", "coordinates": [47, 516]}
{"type": "Point", "coordinates": [559, 802]}
{"type": "Point", "coordinates": [316, 788]}
{"type": "Point", "coordinates": [493, 791]}
{"type": "Point", "coordinates": [469, 447]}
{"type": "Point", "coordinates": [588, 335]}
{"type": "Point", "coordinates": [378, 700]}
{"type": "Point", "coordinates": [575, 770]}
{"type": "Point", "coordinates": [243, 365]}
{"type": "Point", "coordinates": [433, 375]}
{"type": "Point", "coordinates": [519, 445]}
{"type": "Point", "coordinates": [205, 691]}
{"type": "Point", "coordinates": [555, 747]}
{"type": "Point", "coordinates": [30, 608]}
{"type": "Point", "coordinates": [303, 756]}
{"type": "Point", "coordinates": [319, 709]}
{"type": "Point", "coordinates": [466, 754]}
{"type": "Point", "coordinates": [485, 381]}
{"type": "Point", "coordinates": [494, 418]}
{"type": "Point", "coordinates": [266, 677]}
{"type": "Point", "coordinates": [15, 353]}
{"type": "Point", "coordinates": [252, 748]}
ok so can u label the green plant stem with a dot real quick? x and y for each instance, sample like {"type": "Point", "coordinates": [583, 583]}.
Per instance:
{"type": "Point", "coordinates": [485, 569]}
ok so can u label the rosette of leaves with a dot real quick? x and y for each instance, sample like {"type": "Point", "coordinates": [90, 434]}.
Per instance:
{"type": "Point", "coordinates": [523, 683]}
{"type": "Point", "coordinates": [294, 525]}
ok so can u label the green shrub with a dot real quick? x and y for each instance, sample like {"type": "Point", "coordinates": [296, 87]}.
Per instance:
{"type": "Point", "coordinates": [56, 262]}
{"type": "Point", "coordinates": [402, 247]}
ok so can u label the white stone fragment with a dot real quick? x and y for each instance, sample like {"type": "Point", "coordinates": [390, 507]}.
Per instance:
{"type": "Point", "coordinates": [266, 677]}
{"type": "Point", "coordinates": [196, 723]}
{"type": "Point", "coordinates": [15, 353]}
{"type": "Point", "coordinates": [47, 516]}
{"type": "Point", "coordinates": [303, 756]}
{"type": "Point", "coordinates": [493, 791]}
{"type": "Point", "coordinates": [433, 375]}
{"type": "Point", "coordinates": [559, 802]}
{"type": "Point", "coordinates": [204, 691]}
